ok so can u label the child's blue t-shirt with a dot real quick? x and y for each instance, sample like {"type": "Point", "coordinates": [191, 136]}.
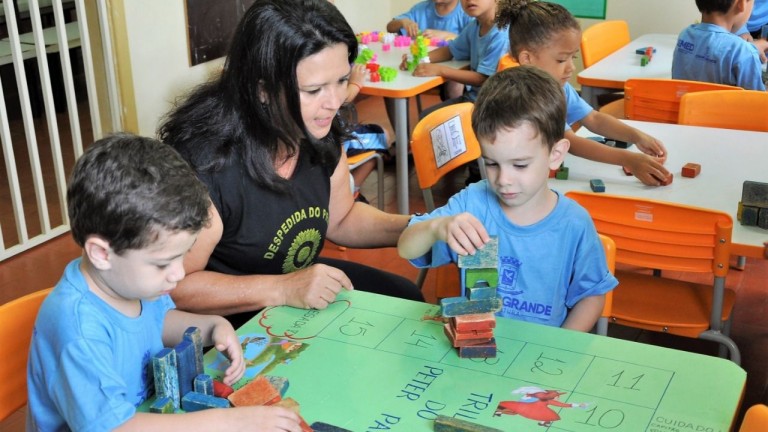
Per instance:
{"type": "Point", "coordinates": [89, 365]}
{"type": "Point", "coordinates": [709, 53]}
{"type": "Point", "coordinates": [544, 268]}
{"type": "Point", "coordinates": [757, 19]}
{"type": "Point", "coordinates": [424, 14]}
{"type": "Point", "coordinates": [483, 52]}
{"type": "Point", "coordinates": [576, 107]}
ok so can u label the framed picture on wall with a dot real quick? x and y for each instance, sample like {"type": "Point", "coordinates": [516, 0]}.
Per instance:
{"type": "Point", "coordinates": [210, 24]}
{"type": "Point", "coordinates": [584, 8]}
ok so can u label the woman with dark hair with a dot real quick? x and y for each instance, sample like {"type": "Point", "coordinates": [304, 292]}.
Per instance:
{"type": "Point", "coordinates": [266, 140]}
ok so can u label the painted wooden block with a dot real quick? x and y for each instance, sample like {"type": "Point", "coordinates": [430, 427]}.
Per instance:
{"type": "Point", "coordinates": [257, 392]}
{"type": "Point", "coordinates": [666, 181]}
{"type": "Point", "coordinates": [194, 401]}
{"type": "Point", "coordinates": [490, 275]}
{"type": "Point", "coordinates": [562, 173]}
{"type": "Point", "coordinates": [221, 390]}
{"type": "Point", "coordinates": [166, 373]}
{"type": "Point", "coordinates": [470, 335]}
{"type": "Point", "coordinates": [487, 257]}
{"type": "Point", "coordinates": [691, 170]}
{"type": "Point", "coordinates": [185, 364]}
{"type": "Point", "coordinates": [749, 215]}
{"type": "Point", "coordinates": [481, 292]}
{"type": "Point", "coordinates": [450, 333]}
{"type": "Point", "coordinates": [762, 218]}
{"type": "Point", "coordinates": [479, 350]}
{"type": "Point", "coordinates": [279, 383]}
{"type": "Point", "coordinates": [325, 427]}
{"type": "Point", "coordinates": [453, 306]}
{"type": "Point", "coordinates": [452, 424]}
{"type": "Point", "coordinates": [484, 321]}
{"type": "Point", "coordinates": [203, 384]}
{"type": "Point", "coordinates": [162, 405]}
{"type": "Point", "coordinates": [754, 194]}
{"type": "Point", "coordinates": [194, 335]}
{"type": "Point", "coordinates": [597, 185]}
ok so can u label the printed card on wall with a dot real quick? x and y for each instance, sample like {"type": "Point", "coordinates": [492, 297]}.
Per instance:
{"type": "Point", "coordinates": [448, 141]}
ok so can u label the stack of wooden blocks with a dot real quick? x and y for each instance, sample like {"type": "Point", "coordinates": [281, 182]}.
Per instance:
{"type": "Point", "coordinates": [753, 207]}
{"type": "Point", "coordinates": [471, 319]}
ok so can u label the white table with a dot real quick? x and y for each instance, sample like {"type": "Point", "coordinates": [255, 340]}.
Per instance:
{"type": "Point", "coordinates": [611, 72]}
{"type": "Point", "coordinates": [727, 158]}
{"type": "Point", "coordinates": [403, 87]}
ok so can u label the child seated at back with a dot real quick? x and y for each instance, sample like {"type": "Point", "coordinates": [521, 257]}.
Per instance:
{"type": "Point", "coordinates": [135, 208]}
{"type": "Point", "coordinates": [442, 19]}
{"type": "Point", "coordinates": [711, 52]}
{"type": "Point", "coordinates": [552, 266]}
{"type": "Point", "coordinates": [547, 36]}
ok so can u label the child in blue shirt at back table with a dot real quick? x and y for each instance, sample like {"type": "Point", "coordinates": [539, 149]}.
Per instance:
{"type": "Point", "coordinates": [711, 52]}
{"type": "Point", "coordinates": [136, 208]}
{"type": "Point", "coordinates": [442, 19]}
{"type": "Point", "coordinates": [753, 32]}
{"type": "Point", "coordinates": [552, 266]}
{"type": "Point", "coordinates": [547, 36]}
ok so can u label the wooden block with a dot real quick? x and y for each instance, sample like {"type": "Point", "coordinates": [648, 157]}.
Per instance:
{"type": "Point", "coordinates": [452, 424]}
{"type": "Point", "coordinates": [450, 332]}
{"type": "Point", "coordinates": [626, 170]}
{"type": "Point", "coordinates": [325, 427]}
{"type": "Point", "coordinates": [597, 185]}
{"type": "Point", "coordinates": [203, 384]}
{"type": "Point", "coordinates": [472, 334]}
{"type": "Point", "coordinates": [221, 390]}
{"type": "Point", "coordinates": [194, 335]}
{"type": "Point", "coordinates": [667, 181]}
{"type": "Point", "coordinates": [305, 427]}
{"type": "Point", "coordinates": [185, 365]}
{"type": "Point", "coordinates": [552, 173]}
{"type": "Point", "coordinates": [479, 350]}
{"type": "Point", "coordinates": [279, 383]}
{"type": "Point", "coordinates": [481, 292]}
{"type": "Point", "coordinates": [257, 392]}
{"type": "Point", "coordinates": [166, 375]}
{"type": "Point", "coordinates": [487, 257]}
{"type": "Point", "coordinates": [162, 405]}
{"type": "Point", "coordinates": [453, 306]}
{"type": "Point", "coordinates": [483, 321]}
{"type": "Point", "coordinates": [288, 403]}
{"type": "Point", "coordinates": [691, 170]}
{"type": "Point", "coordinates": [490, 275]}
{"type": "Point", "coordinates": [754, 194]}
{"type": "Point", "coordinates": [194, 401]}
{"type": "Point", "coordinates": [562, 173]}
{"type": "Point", "coordinates": [749, 215]}
{"type": "Point", "coordinates": [762, 218]}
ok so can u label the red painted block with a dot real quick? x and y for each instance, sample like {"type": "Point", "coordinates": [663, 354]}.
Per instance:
{"type": "Point", "coordinates": [667, 181]}
{"type": "Point", "coordinates": [552, 173]}
{"type": "Point", "coordinates": [691, 170]}
{"type": "Point", "coordinates": [464, 323]}
{"type": "Point", "coordinates": [257, 392]}
{"type": "Point", "coordinates": [451, 334]}
{"type": "Point", "coordinates": [221, 390]}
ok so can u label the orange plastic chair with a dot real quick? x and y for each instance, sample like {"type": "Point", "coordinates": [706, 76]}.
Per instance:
{"type": "Point", "coordinates": [505, 62]}
{"type": "Point", "coordinates": [425, 158]}
{"type": "Point", "coordinates": [609, 246]}
{"type": "Point", "coordinates": [602, 39]}
{"type": "Point", "coordinates": [361, 158]}
{"type": "Point", "coordinates": [755, 419]}
{"type": "Point", "coordinates": [17, 318]}
{"type": "Point", "coordinates": [665, 236]}
{"type": "Point", "coordinates": [656, 99]}
{"type": "Point", "coordinates": [745, 109]}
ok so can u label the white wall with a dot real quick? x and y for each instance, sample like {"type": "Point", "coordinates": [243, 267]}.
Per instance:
{"type": "Point", "coordinates": [157, 40]}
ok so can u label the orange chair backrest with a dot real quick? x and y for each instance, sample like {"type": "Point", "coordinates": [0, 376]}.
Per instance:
{"type": "Point", "coordinates": [438, 135]}
{"type": "Point", "coordinates": [505, 62]}
{"type": "Point", "coordinates": [755, 419]}
{"type": "Point", "coordinates": [658, 100]}
{"type": "Point", "coordinates": [744, 109]}
{"type": "Point", "coordinates": [602, 39]}
{"type": "Point", "coordinates": [609, 246]}
{"type": "Point", "coordinates": [17, 318]}
{"type": "Point", "coordinates": [661, 235]}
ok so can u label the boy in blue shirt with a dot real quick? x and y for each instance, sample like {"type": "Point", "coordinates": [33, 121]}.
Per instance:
{"type": "Point", "coordinates": [136, 208]}
{"type": "Point", "coordinates": [711, 52]}
{"type": "Point", "coordinates": [442, 19]}
{"type": "Point", "coordinates": [550, 256]}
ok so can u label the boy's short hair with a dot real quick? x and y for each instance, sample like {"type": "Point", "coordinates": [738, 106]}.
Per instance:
{"type": "Point", "coordinates": [516, 95]}
{"type": "Point", "coordinates": [714, 6]}
{"type": "Point", "coordinates": [127, 188]}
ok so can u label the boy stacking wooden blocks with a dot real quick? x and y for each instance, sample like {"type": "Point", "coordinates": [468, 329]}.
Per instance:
{"type": "Point", "coordinates": [471, 317]}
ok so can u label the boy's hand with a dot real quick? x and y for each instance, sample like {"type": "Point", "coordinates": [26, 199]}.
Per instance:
{"type": "Point", "coordinates": [428, 69]}
{"type": "Point", "coordinates": [226, 342]}
{"type": "Point", "coordinates": [411, 28]}
{"type": "Point", "coordinates": [439, 34]}
{"type": "Point", "coordinates": [463, 233]}
{"type": "Point", "coordinates": [357, 75]}
{"type": "Point", "coordinates": [651, 146]}
{"type": "Point", "coordinates": [648, 169]}
{"type": "Point", "coordinates": [266, 419]}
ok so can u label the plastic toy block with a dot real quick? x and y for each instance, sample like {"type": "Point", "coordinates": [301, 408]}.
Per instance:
{"type": "Point", "coordinates": [162, 405]}
{"type": "Point", "coordinates": [325, 427]}
{"type": "Point", "coordinates": [597, 185]}
{"type": "Point", "coordinates": [221, 390]}
{"type": "Point", "coordinates": [483, 350]}
{"type": "Point", "coordinates": [279, 383]}
{"type": "Point", "coordinates": [203, 384]}
{"type": "Point", "coordinates": [450, 333]}
{"type": "Point", "coordinates": [372, 67]}
{"type": "Point", "coordinates": [166, 373]}
{"type": "Point", "coordinates": [194, 401]}
{"type": "Point", "coordinates": [375, 77]}
{"type": "Point", "coordinates": [185, 364]}
{"type": "Point", "coordinates": [489, 275]}
{"type": "Point", "coordinates": [257, 392]}
{"type": "Point", "coordinates": [453, 306]}
{"type": "Point", "coordinates": [387, 73]}
{"type": "Point", "coordinates": [667, 181]}
{"type": "Point", "coordinates": [366, 54]}
{"type": "Point", "coordinates": [487, 257]}
{"type": "Point", "coordinates": [762, 218]}
{"type": "Point", "coordinates": [754, 194]}
{"type": "Point", "coordinates": [644, 60]}
{"type": "Point", "coordinates": [194, 335]}
{"type": "Point", "coordinates": [626, 170]}
{"type": "Point", "coordinates": [386, 47]}
{"type": "Point", "coordinates": [749, 215]}
{"type": "Point", "coordinates": [691, 170]}
{"type": "Point", "coordinates": [452, 424]}
{"type": "Point", "coordinates": [644, 50]}
{"type": "Point", "coordinates": [483, 321]}
{"type": "Point", "coordinates": [481, 293]}
{"type": "Point", "coordinates": [562, 173]}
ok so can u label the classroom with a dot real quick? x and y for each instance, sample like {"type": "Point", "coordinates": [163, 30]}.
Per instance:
{"type": "Point", "coordinates": [131, 63]}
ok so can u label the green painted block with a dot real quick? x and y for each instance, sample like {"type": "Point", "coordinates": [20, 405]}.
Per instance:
{"type": "Point", "coordinates": [453, 306]}
{"type": "Point", "coordinates": [452, 424]}
{"type": "Point", "coordinates": [562, 173]}
{"type": "Point", "coordinates": [474, 275]}
{"type": "Point", "coordinates": [487, 257]}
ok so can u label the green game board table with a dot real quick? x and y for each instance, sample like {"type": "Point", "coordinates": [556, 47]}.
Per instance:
{"type": "Point", "coordinates": [370, 362]}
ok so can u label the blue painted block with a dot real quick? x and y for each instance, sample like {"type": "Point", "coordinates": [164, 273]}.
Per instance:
{"type": "Point", "coordinates": [203, 384]}
{"type": "Point", "coordinates": [454, 306]}
{"type": "Point", "coordinates": [487, 257]}
{"type": "Point", "coordinates": [185, 360]}
{"type": "Point", "coordinates": [482, 350]}
{"type": "Point", "coordinates": [162, 405]}
{"type": "Point", "coordinates": [325, 427]}
{"type": "Point", "coordinates": [597, 185]}
{"type": "Point", "coordinates": [481, 292]}
{"type": "Point", "coordinates": [194, 335]}
{"type": "Point", "coordinates": [165, 370]}
{"type": "Point", "coordinates": [194, 401]}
